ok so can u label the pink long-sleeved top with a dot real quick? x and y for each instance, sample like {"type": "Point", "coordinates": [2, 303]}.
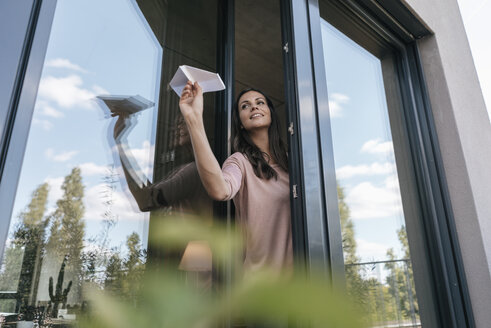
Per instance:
{"type": "Point", "coordinates": [263, 213]}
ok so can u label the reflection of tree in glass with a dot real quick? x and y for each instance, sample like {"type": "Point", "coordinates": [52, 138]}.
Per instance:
{"type": "Point", "coordinates": [23, 257]}
{"type": "Point", "coordinates": [379, 302]}
{"type": "Point", "coordinates": [123, 276]}
{"type": "Point", "coordinates": [96, 257]}
{"type": "Point", "coordinates": [401, 281]}
{"type": "Point", "coordinates": [357, 287]}
{"type": "Point", "coordinates": [113, 281]}
{"type": "Point", "coordinates": [68, 229]}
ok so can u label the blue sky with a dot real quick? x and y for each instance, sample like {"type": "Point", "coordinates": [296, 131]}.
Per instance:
{"type": "Point", "coordinates": [106, 48]}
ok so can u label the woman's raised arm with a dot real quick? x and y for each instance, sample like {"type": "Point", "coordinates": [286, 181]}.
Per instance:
{"type": "Point", "coordinates": [191, 105]}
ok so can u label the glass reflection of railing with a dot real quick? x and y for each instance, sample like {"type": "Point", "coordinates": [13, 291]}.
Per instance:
{"type": "Point", "coordinates": [385, 292]}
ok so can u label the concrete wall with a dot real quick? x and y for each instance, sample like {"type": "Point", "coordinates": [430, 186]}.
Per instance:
{"type": "Point", "coordinates": [464, 133]}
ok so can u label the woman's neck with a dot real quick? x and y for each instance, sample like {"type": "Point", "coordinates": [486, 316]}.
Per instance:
{"type": "Point", "coordinates": [261, 139]}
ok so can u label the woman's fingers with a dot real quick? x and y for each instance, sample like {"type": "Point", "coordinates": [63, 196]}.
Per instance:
{"type": "Point", "coordinates": [197, 89]}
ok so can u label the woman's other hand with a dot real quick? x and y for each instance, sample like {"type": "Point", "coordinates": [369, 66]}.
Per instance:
{"type": "Point", "coordinates": [191, 102]}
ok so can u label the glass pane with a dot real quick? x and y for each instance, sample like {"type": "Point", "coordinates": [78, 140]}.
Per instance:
{"type": "Point", "coordinates": [258, 52]}
{"type": "Point", "coordinates": [376, 251]}
{"type": "Point", "coordinates": [106, 146]}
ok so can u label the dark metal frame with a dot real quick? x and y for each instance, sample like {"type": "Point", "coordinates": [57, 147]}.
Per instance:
{"type": "Point", "coordinates": [449, 280]}
{"type": "Point", "coordinates": [21, 106]}
{"type": "Point", "coordinates": [396, 27]}
{"type": "Point", "coordinates": [294, 146]}
{"type": "Point", "coordinates": [305, 160]}
{"type": "Point", "coordinates": [19, 115]}
{"type": "Point", "coordinates": [224, 99]}
{"type": "Point", "coordinates": [223, 211]}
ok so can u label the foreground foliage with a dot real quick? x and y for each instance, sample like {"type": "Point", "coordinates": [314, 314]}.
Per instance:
{"type": "Point", "coordinates": [167, 300]}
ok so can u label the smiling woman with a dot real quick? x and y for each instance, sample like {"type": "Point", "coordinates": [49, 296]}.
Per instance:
{"type": "Point", "coordinates": [255, 176]}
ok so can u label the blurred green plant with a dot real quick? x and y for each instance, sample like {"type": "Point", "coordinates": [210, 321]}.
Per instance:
{"type": "Point", "coordinates": [165, 299]}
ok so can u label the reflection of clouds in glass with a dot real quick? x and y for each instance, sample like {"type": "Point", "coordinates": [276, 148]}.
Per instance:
{"type": "Point", "coordinates": [95, 204]}
{"type": "Point", "coordinates": [336, 100]}
{"type": "Point", "coordinates": [55, 191]}
{"type": "Point", "coordinates": [61, 157]}
{"type": "Point", "coordinates": [68, 92]}
{"type": "Point", "coordinates": [50, 111]}
{"type": "Point", "coordinates": [366, 200]}
{"type": "Point", "coordinates": [44, 124]}
{"type": "Point", "coordinates": [96, 197]}
{"type": "Point", "coordinates": [376, 168]}
{"type": "Point", "coordinates": [377, 146]}
{"type": "Point", "coordinates": [43, 108]}
{"type": "Point", "coordinates": [392, 183]}
{"type": "Point", "coordinates": [143, 156]}
{"type": "Point", "coordinates": [91, 168]}
{"type": "Point", "coordinates": [370, 251]}
{"type": "Point", "coordinates": [64, 63]}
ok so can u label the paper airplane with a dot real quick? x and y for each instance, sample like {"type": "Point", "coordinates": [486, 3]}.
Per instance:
{"type": "Point", "coordinates": [126, 104]}
{"type": "Point", "coordinates": [208, 81]}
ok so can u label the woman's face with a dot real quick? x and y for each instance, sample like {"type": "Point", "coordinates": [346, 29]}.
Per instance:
{"type": "Point", "coordinates": [254, 112]}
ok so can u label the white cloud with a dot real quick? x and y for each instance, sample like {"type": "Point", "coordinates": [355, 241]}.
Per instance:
{"type": "Point", "coordinates": [61, 157]}
{"type": "Point", "coordinates": [44, 124]}
{"type": "Point", "coordinates": [55, 191]}
{"type": "Point", "coordinates": [91, 168]}
{"type": "Point", "coordinates": [392, 182]}
{"type": "Point", "coordinates": [371, 251]}
{"type": "Point", "coordinates": [65, 156]}
{"type": "Point", "coordinates": [123, 206]}
{"type": "Point", "coordinates": [336, 100]}
{"type": "Point", "coordinates": [366, 200]}
{"type": "Point", "coordinates": [376, 168]}
{"type": "Point", "coordinates": [51, 112]}
{"type": "Point", "coordinates": [143, 157]}
{"type": "Point", "coordinates": [67, 92]}
{"type": "Point", "coordinates": [64, 63]}
{"type": "Point", "coordinates": [377, 146]}
{"type": "Point", "coordinates": [99, 90]}
{"type": "Point", "coordinates": [45, 109]}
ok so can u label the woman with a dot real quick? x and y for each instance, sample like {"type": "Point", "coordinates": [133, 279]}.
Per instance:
{"type": "Point", "coordinates": [255, 176]}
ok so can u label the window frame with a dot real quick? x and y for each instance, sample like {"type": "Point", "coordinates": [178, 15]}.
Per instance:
{"type": "Point", "coordinates": [394, 24]}
{"type": "Point", "coordinates": [19, 112]}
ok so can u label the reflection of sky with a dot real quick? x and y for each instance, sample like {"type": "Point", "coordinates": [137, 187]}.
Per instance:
{"type": "Point", "coordinates": [95, 48]}
{"type": "Point", "coordinates": [364, 159]}
{"type": "Point", "coordinates": [105, 48]}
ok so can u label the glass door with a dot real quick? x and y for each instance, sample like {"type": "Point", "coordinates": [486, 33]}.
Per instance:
{"type": "Point", "coordinates": [375, 245]}
{"type": "Point", "coordinates": [374, 178]}
{"type": "Point", "coordinates": [107, 156]}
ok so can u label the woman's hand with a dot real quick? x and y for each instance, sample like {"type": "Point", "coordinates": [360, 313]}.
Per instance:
{"type": "Point", "coordinates": [191, 102]}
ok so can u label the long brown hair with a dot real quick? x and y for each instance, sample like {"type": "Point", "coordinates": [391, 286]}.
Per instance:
{"type": "Point", "coordinates": [242, 142]}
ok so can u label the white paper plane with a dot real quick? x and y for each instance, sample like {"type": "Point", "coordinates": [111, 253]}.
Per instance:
{"type": "Point", "coordinates": [208, 81]}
